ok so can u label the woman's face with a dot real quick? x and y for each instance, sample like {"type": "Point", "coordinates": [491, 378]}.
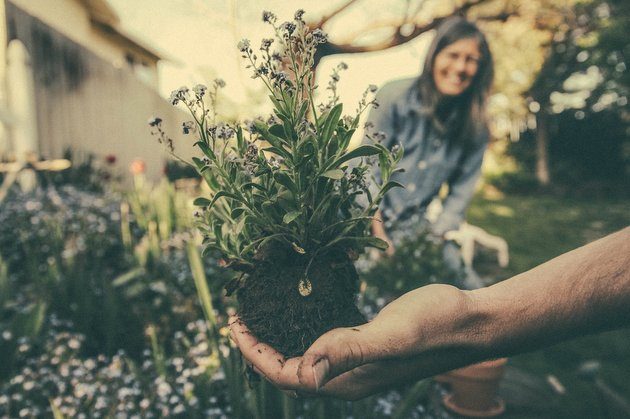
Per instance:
{"type": "Point", "coordinates": [455, 66]}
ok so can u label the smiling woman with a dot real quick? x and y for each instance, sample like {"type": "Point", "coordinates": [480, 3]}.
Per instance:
{"type": "Point", "coordinates": [439, 119]}
{"type": "Point", "coordinates": [456, 66]}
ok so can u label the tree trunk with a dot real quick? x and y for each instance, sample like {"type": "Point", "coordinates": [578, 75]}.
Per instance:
{"type": "Point", "coordinates": [542, 149]}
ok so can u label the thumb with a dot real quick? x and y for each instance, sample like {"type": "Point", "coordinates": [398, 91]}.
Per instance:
{"type": "Point", "coordinates": [335, 352]}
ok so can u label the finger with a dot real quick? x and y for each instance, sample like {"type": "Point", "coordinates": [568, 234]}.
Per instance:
{"type": "Point", "coordinates": [368, 379]}
{"type": "Point", "coordinates": [237, 328]}
{"type": "Point", "coordinates": [334, 353]}
{"type": "Point", "coordinates": [232, 318]}
{"type": "Point", "coordinates": [267, 361]}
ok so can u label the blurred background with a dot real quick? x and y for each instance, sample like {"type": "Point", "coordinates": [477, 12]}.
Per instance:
{"type": "Point", "coordinates": [103, 290]}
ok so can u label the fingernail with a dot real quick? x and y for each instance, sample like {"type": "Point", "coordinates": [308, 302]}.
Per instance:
{"type": "Point", "coordinates": [320, 372]}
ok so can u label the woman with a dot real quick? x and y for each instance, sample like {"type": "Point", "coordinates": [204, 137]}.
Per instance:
{"type": "Point", "coordinates": [439, 119]}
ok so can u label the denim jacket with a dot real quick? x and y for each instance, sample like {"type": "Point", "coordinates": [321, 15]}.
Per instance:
{"type": "Point", "coordinates": [428, 162]}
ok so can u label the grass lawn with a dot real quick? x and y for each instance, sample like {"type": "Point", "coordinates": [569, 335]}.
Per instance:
{"type": "Point", "coordinates": [538, 228]}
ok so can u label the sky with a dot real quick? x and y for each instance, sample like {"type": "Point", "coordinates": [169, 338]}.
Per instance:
{"type": "Point", "coordinates": [200, 36]}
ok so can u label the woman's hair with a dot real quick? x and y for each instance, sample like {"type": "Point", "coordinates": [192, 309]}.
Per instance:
{"type": "Point", "coordinates": [464, 118]}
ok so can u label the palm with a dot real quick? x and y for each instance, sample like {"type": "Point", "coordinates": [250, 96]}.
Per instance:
{"type": "Point", "coordinates": [364, 359]}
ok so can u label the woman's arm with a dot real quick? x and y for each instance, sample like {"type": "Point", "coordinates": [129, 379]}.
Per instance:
{"type": "Point", "coordinates": [378, 230]}
{"type": "Point", "coordinates": [461, 190]}
{"type": "Point", "coordinates": [438, 328]}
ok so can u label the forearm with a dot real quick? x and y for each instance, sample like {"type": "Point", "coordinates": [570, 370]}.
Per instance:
{"type": "Point", "coordinates": [377, 224]}
{"type": "Point", "coordinates": [580, 292]}
{"type": "Point", "coordinates": [438, 328]}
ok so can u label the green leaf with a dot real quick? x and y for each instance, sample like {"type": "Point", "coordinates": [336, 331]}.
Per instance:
{"type": "Point", "coordinates": [201, 282]}
{"type": "Point", "coordinates": [298, 249]}
{"type": "Point", "coordinates": [345, 139]}
{"type": "Point", "coordinates": [238, 227]}
{"type": "Point", "coordinates": [270, 210]}
{"type": "Point", "coordinates": [367, 241]}
{"type": "Point", "coordinates": [334, 174]}
{"type": "Point", "coordinates": [240, 141]}
{"type": "Point", "coordinates": [211, 180]}
{"type": "Point", "coordinates": [237, 212]}
{"type": "Point", "coordinates": [389, 185]}
{"type": "Point", "coordinates": [383, 164]}
{"type": "Point", "coordinates": [198, 163]}
{"type": "Point", "coordinates": [372, 242]}
{"type": "Point", "coordinates": [260, 242]}
{"type": "Point", "coordinates": [280, 152]}
{"type": "Point", "coordinates": [331, 122]}
{"type": "Point", "coordinates": [128, 276]}
{"type": "Point", "coordinates": [206, 149]}
{"type": "Point", "coordinates": [221, 194]}
{"type": "Point", "coordinates": [302, 112]}
{"type": "Point", "coordinates": [282, 116]}
{"type": "Point", "coordinates": [272, 237]}
{"type": "Point", "coordinates": [278, 131]}
{"type": "Point", "coordinates": [284, 179]}
{"type": "Point", "coordinates": [216, 230]}
{"type": "Point", "coordinates": [277, 104]}
{"type": "Point", "coordinates": [291, 216]}
{"type": "Point", "coordinates": [348, 222]}
{"type": "Point", "coordinates": [202, 202]}
{"type": "Point", "coordinates": [250, 185]}
{"type": "Point", "coordinates": [361, 151]}
{"type": "Point", "coordinates": [272, 139]}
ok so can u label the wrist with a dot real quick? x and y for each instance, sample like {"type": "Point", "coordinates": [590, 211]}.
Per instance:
{"type": "Point", "coordinates": [472, 330]}
{"type": "Point", "coordinates": [491, 325]}
{"type": "Point", "coordinates": [452, 330]}
{"type": "Point", "coordinates": [455, 320]}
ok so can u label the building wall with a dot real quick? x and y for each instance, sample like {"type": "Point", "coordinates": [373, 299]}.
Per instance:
{"type": "Point", "coordinates": [86, 104]}
{"type": "Point", "coordinates": [71, 18]}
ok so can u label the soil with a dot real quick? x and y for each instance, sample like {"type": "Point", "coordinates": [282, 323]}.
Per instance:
{"type": "Point", "coordinates": [273, 309]}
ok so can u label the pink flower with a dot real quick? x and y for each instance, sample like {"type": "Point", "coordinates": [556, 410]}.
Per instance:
{"type": "Point", "coordinates": [137, 167]}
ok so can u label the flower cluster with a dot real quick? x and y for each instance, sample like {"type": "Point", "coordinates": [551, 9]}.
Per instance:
{"type": "Point", "coordinates": [186, 384]}
{"type": "Point", "coordinates": [376, 136]}
{"type": "Point", "coordinates": [180, 95]}
{"type": "Point", "coordinates": [156, 130]}
{"type": "Point", "coordinates": [286, 179]}
{"type": "Point", "coordinates": [58, 226]}
{"type": "Point", "coordinates": [295, 58]}
{"type": "Point", "coordinates": [333, 97]}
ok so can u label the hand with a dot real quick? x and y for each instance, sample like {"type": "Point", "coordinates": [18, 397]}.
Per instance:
{"type": "Point", "coordinates": [352, 363]}
{"type": "Point", "coordinates": [439, 328]}
{"type": "Point", "coordinates": [379, 231]}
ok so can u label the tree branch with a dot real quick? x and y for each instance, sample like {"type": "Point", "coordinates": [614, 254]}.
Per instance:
{"type": "Point", "coordinates": [332, 14]}
{"type": "Point", "coordinates": [397, 38]}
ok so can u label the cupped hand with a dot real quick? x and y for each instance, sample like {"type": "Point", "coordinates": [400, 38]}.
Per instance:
{"type": "Point", "coordinates": [411, 338]}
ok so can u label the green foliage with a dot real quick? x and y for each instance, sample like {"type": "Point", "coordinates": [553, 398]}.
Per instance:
{"type": "Point", "coordinates": [567, 224]}
{"type": "Point", "coordinates": [578, 96]}
{"type": "Point", "coordinates": [121, 313]}
{"type": "Point", "coordinates": [418, 261]}
{"type": "Point", "coordinates": [87, 172]}
{"type": "Point", "coordinates": [98, 262]}
{"type": "Point", "coordinates": [291, 179]}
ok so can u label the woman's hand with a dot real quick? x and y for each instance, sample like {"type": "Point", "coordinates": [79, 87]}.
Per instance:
{"type": "Point", "coordinates": [378, 231]}
{"type": "Point", "coordinates": [351, 363]}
